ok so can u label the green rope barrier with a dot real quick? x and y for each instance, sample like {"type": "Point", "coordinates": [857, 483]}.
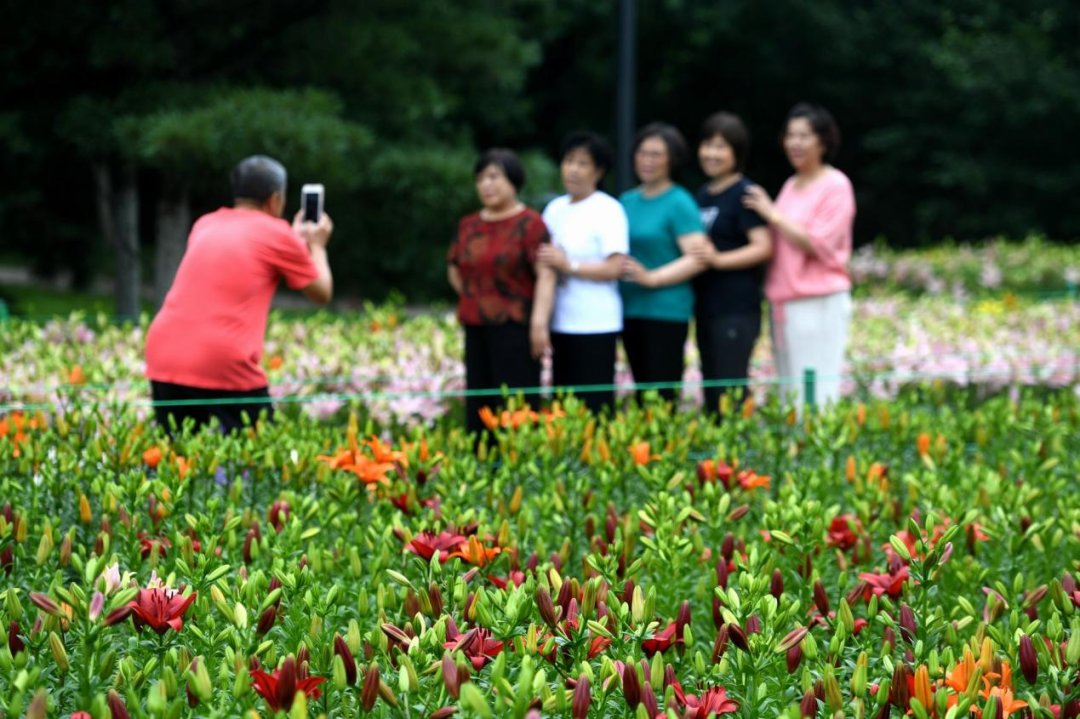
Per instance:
{"type": "Point", "coordinates": [378, 395]}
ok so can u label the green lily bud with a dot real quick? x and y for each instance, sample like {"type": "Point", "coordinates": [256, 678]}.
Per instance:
{"type": "Point", "coordinates": [56, 646]}
{"type": "Point", "coordinates": [299, 706]}
{"type": "Point", "coordinates": [337, 673]}
{"type": "Point", "coordinates": [241, 684]}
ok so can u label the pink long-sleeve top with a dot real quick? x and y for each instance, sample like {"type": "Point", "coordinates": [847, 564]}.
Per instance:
{"type": "Point", "coordinates": [826, 209]}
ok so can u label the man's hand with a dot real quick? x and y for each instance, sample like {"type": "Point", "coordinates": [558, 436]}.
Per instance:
{"type": "Point", "coordinates": [314, 234]}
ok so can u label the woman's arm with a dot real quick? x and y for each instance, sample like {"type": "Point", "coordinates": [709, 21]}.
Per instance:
{"type": "Point", "coordinates": [610, 268]}
{"type": "Point", "coordinates": [543, 304]}
{"type": "Point", "coordinates": [678, 270]}
{"type": "Point", "coordinates": [758, 250]}
{"type": "Point", "coordinates": [759, 201]}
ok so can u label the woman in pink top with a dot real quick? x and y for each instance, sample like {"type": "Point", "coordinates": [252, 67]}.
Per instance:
{"type": "Point", "coordinates": [808, 285]}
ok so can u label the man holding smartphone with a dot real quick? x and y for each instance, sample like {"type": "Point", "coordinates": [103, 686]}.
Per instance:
{"type": "Point", "coordinates": [204, 347]}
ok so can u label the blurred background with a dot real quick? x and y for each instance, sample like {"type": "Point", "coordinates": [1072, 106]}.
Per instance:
{"type": "Point", "coordinates": [120, 120]}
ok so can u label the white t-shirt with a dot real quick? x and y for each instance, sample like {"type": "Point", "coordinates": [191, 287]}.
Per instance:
{"type": "Point", "coordinates": [588, 231]}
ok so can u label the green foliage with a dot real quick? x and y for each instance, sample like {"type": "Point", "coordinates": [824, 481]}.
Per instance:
{"type": "Point", "coordinates": [303, 129]}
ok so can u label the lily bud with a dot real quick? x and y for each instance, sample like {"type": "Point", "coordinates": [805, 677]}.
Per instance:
{"type": "Point", "coordinates": [727, 549]}
{"type": "Point", "coordinates": [15, 643]}
{"type": "Point", "coordinates": [907, 623]}
{"type": "Point", "coordinates": [341, 649]}
{"type": "Point", "coordinates": [738, 637]}
{"type": "Point", "coordinates": [45, 603]}
{"type": "Point", "coordinates": [631, 686]}
{"type": "Point", "coordinates": [792, 639]}
{"type": "Point", "coordinates": [682, 619]}
{"type": "Point", "coordinates": [579, 707]}
{"type": "Point", "coordinates": [435, 597]}
{"type": "Point", "coordinates": [808, 705]}
{"type": "Point", "coordinates": [722, 573]}
{"type": "Point", "coordinates": [117, 706]}
{"type": "Point", "coordinates": [60, 655]}
{"type": "Point", "coordinates": [720, 645]}
{"type": "Point", "coordinates": [450, 676]}
{"type": "Point", "coordinates": [648, 701]}
{"type": "Point", "coordinates": [1029, 662]}
{"type": "Point", "coordinates": [548, 612]}
{"type": "Point", "coordinates": [370, 691]}
{"type": "Point", "coordinates": [794, 658]}
{"type": "Point", "coordinates": [266, 621]}
{"type": "Point", "coordinates": [821, 599]}
{"type": "Point", "coordinates": [776, 587]}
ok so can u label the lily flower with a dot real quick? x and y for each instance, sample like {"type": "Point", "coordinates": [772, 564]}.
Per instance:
{"type": "Point", "coordinates": [844, 531]}
{"type": "Point", "coordinates": [713, 701]}
{"type": "Point", "coordinates": [475, 553]}
{"type": "Point", "coordinates": [476, 644]}
{"type": "Point", "coordinates": [279, 688]}
{"type": "Point", "coordinates": [160, 609]}
{"type": "Point", "coordinates": [426, 544]}
{"type": "Point", "coordinates": [891, 583]}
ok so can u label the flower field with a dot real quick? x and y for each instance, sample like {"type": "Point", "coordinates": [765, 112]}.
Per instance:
{"type": "Point", "coordinates": [408, 369]}
{"type": "Point", "coordinates": [913, 551]}
{"type": "Point", "coordinates": [881, 559]}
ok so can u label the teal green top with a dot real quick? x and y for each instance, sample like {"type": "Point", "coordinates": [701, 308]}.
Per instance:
{"type": "Point", "coordinates": [656, 223]}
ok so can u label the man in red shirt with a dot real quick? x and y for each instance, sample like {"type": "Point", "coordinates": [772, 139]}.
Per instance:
{"type": "Point", "coordinates": [204, 347]}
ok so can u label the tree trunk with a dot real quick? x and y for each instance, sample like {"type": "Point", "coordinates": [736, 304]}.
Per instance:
{"type": "Point", "coordinates": [173, 224]}
{"type": "Point", "coordinates": [118, 217]}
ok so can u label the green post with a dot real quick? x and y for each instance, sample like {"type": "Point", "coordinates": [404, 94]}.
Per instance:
{"type": "Point", "coordinates": [3, 312]}
{"type": "Point", "coordinates": [809, 387]}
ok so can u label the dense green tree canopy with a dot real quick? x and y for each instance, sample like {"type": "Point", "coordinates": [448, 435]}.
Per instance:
{"type": "Point", "coordinates": [959, 117]}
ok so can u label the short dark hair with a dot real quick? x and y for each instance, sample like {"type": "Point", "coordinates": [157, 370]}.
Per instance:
{"type": "Point", "coordinates": [730, 127]}
{"type": "Point", "coordinates": [505, 160]}
{"type": "Point", "coordinates": [258, 177]}
{"type": "Point", "coordinates": [598, 148]}
{"type": "Point", "coordinates": [676, 143]}
{"type": "Point", "coordinates": [821, 122]}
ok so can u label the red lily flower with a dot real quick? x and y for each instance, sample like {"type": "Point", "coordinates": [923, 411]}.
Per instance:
{"type": "Point", "coordinates": [279, 689]}
{"type": "Point", "coordinates": [147, 544]}
{"type": "Point", "coordinates": [713, 702]}
{"type": "Point", "coordinates": [891, 583]}
{"type": "Point", "coordinates": [426, 544]}
{"type": "Point", "coordinates": [476, 644]}
{"type": "Point", "coordinates": [160, 609]}
{"type": "Point", "coordinates": [844, 531]}
{"type": "Point", "coordinates": [661, 641]}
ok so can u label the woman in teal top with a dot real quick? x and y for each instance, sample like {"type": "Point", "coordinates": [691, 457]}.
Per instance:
{"type": "Point", "coordinates": [665, 226]}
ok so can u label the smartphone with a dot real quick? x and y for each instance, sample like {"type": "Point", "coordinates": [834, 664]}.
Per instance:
{"type": "Point", "coordinates": [311, 200]}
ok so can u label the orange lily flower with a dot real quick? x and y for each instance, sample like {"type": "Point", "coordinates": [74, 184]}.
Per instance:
{"type": "Point", "coordinates": [488, 418]}
{"type": "Point", "coordinates": [383, 453]}
{"type": "Point", "coordinates": [76, 375]}
{"type": "Point", "coordinates": [748, 479]}
{"type": "Point", "coordinates": [923, 691]}
{"type": "Point", "coordinates": [152, 457]}
{"type": "Point", "coordinates": [640, 453]}
{"type": "Point", "coordinates": [342, 460]}
{"type": "Point", "coordinates": [476, 553]}
{"type": "Point", "coordinates": [370, 471]}
{"type": "Point", "coordinates": [1006, 700]}
{"type": "Point", "coordinates": [960, 676]}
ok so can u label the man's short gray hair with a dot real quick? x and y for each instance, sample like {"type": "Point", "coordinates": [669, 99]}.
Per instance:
{"type": "Point", "coordinates": [257, 178]}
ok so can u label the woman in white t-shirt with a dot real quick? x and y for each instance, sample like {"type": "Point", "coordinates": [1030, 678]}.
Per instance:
{"type": "Point", "coordinates": [589, 238]}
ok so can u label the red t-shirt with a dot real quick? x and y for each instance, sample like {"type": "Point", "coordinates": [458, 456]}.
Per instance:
{"type": "Point", "coordinates": [497, 261]}
{"type": "Point", "coordinates": [209, 332]}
